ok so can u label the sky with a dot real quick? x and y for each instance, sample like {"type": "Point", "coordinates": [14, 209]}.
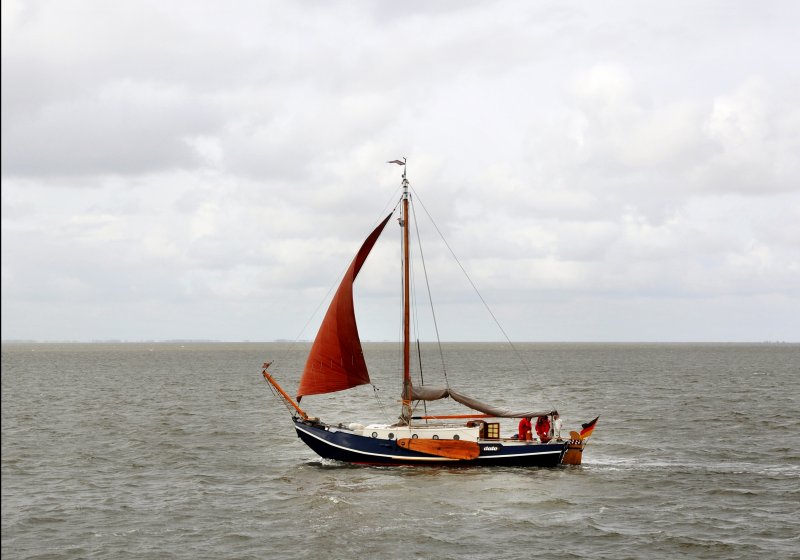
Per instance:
{"type": "Point", "coordinates": [604, 171]}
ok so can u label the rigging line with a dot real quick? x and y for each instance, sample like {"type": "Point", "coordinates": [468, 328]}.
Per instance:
{"type": "Point", "coordinates": [279, 397]}
{"type": "Point", "coordinates": [474, 287]}
{"type": "Point", "coordinates": [385, 206]}
{"type": "Point", "coordinates": [421, 378]}
{"type": "Point", "coordinates": [428, 286]}
{"type": "Point", "coordinates": [376, 394]}
{"type": "Point", "coordinates": [415, 307]}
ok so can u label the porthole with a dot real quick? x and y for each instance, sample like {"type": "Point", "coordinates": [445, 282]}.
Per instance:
{"type": "Point", "coordinates": [456, 436]}
{"type": "Point", "coordinates": [414, 436]}
{"type": "Point", "coordinates": [435, 436]}
{"type": "Point", "coordinates": [374, 434]}
{"type": "Point", "coordinates": [391, 435]}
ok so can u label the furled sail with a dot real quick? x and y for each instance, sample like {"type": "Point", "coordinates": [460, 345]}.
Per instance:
{"type": "Point", "coordinates": [436, 393]}
{"type": "Point", "coordinates": [336, 361]}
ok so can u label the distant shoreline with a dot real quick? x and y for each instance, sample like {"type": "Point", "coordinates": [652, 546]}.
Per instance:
{"type": "Point", "coordinates": [284, 341]}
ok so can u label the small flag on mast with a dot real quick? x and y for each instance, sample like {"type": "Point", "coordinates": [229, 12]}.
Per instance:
{"type": "Point", "coordinates": [397, 161]}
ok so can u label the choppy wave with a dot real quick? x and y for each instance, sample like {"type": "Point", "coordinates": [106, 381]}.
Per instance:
{"type": "Point", "coordinates": [115, 451]}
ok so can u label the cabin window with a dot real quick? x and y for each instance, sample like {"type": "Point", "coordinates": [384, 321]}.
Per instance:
{"type": "Point", "coordinates": [435, 436]}
{"type": "Point", "coordinates": [374, 434]}
{"type": "Point", "coordinates": [391, 435]}
{"type": "Point", "coordinates": [456, 436]}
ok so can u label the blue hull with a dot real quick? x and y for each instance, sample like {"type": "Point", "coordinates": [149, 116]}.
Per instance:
{"type": "Point", "coordinates": [343, 445]}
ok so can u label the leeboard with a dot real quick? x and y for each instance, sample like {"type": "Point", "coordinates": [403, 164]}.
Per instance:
{"type": "Point", "coordinates": [450, 448]}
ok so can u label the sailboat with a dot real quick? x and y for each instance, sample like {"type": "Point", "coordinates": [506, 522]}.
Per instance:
{"type": "Point", "coordinates": [336, 363]}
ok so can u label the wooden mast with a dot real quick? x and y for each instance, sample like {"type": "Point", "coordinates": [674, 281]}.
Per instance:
{"type": "Point", "coordinates": [406, 412]}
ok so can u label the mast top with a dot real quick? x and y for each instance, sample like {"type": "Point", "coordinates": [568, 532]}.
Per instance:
{"type": "Point", "coordinates": [405, 180]}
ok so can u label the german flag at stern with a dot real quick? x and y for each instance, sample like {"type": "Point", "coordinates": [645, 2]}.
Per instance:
{"type": "Point", "coordinates": [588, 428]}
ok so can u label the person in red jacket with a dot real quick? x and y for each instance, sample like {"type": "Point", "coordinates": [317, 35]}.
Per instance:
{"type": "Point", "coordinates": [525, 429]}
{"type": "Point", "coordinates": [543, 428]}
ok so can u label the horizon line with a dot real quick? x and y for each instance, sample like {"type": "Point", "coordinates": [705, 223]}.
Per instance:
{"type": "Point", "coordinates": [287, 341]}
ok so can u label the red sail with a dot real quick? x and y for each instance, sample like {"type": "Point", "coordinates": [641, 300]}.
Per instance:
{"type": "Point", "coordinates": [336, 361]}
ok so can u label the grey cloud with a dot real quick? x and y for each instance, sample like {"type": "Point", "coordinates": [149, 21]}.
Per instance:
{"type": "Point", "coordinates": [197, 166]}
{"type": "Point", "coordinates": [125, 128]}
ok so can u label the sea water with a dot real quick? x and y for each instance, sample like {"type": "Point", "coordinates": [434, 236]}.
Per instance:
{"type": "Point", "coordinates": [156, 450]}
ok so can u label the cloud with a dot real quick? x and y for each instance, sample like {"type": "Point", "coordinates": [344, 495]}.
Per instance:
{"type": "Point", "coordinates": [188, 169]}
{"type": "Point", "coordinates": [122, 128]}
{"type": "Point", "coordinates": [756, 142]}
